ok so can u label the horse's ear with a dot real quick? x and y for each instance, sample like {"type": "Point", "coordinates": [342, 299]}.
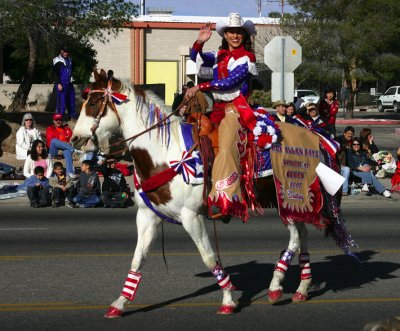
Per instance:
{"type": "Point", "coordinates": [103, 74]}
{"type": "Point", "coordinates": [96, 74]}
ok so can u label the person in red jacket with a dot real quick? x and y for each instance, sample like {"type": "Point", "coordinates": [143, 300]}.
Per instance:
{"type": "Point", "coordinates": [328, 109]}
{"type": "Point", "coordinates": [58, 136]}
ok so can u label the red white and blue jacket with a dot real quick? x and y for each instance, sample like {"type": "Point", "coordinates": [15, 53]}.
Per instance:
{"type": "Point", "coordinates": [230, 71]}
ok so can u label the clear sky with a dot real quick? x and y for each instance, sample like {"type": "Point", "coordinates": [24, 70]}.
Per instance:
{"type": "Point", "coordinates": [246, 8]}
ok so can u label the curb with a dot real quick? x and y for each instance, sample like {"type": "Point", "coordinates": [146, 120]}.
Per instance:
{"type": "Point", "coordinates": [368, 121]}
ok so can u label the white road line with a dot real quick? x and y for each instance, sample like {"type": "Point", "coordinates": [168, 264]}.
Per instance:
{"type": "Point", "coordinates": [23, 229]}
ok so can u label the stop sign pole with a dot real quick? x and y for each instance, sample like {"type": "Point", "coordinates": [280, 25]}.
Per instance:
{"type": "Point", "coordinates": [282, 55]}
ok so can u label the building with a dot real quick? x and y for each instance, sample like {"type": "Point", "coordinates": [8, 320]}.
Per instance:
{"type": "Point", "coordinates": [154, 49]}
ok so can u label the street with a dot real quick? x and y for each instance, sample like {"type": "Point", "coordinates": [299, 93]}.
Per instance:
{"type": "Point", "coordinates": [61, 269]}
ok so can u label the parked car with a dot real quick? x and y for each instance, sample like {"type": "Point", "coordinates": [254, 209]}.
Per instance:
{"type": "Point", "coordinates": [307, 96]}
{"type": "Point", "coordinates": [390, 99]}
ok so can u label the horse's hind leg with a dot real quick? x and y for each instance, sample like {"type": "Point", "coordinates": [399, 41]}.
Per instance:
{"type": "Point", "coordinates": [287, 255]}
{"type": "Point", "coordinates": [147, 232]}
{"type": "Point", "coordinates": [194, 225]}
{"type": "Point", "coordinates": [304, 265]}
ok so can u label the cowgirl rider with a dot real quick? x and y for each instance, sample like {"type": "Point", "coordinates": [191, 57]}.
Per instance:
{"type": "Point", "coordinates": [230, 69]}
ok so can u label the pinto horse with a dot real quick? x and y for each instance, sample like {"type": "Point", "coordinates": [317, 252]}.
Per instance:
{"type": "Point", "coordinates": [175, 200]}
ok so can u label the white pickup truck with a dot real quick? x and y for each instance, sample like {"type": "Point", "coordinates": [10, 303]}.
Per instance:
{"type": "Point", "coordinates": [390, 99]}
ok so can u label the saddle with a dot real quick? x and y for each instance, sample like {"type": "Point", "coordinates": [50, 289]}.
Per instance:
{"type": "Point", "coordinates": [203, 128]}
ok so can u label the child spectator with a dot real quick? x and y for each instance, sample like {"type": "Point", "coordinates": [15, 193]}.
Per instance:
{"type": "Point", "coordinates": [63, 187]}
{"type": "Point", "coordinates": [115, 190]}
{"type": "Point", "coordinates": [38, 157]}
{"type": "Point", "coordinates": [88, 187]}
{"type": "Point", "coordinates": [38, 188]}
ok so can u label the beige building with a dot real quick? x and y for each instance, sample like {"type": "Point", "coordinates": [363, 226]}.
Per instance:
{"type": "Point", "coordinates": [155, 49]}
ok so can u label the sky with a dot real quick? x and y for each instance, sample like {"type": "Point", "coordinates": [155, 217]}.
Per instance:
{"type": "Point", "coordinates": [247, 8]}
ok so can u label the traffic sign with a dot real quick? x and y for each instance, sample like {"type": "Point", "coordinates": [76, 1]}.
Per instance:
{"type": "Point", "coordinates": [282, 54]}
{"type": "Point", "coordinates": [287, 93]}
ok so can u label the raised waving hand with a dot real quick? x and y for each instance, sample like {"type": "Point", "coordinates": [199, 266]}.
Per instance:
{"type": "Point", "coordinates": [204, 33]}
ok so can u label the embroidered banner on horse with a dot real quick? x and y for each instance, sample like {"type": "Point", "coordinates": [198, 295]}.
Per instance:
{"type": "Point", "coordinates": [294, 160]}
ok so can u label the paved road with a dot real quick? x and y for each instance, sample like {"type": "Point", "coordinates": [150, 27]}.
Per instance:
{"type": "Point", "coordinates": [61, 270]}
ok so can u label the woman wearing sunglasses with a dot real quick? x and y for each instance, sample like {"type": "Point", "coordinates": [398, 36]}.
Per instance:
{"type": "Point", "coordinates": [360, 166]}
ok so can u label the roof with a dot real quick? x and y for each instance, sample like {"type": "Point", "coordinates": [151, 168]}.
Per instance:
{"type": "Point", "coordinates": [167, 18]}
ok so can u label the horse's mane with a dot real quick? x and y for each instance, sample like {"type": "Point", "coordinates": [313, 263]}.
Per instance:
{"type": "Point", "coordinates": [151, 109]}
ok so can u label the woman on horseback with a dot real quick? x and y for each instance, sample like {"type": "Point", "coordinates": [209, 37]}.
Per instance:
{"type": "Point", "coordinates": [230, 69]}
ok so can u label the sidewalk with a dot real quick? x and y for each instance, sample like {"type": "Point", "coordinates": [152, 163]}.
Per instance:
{"type": "Point", "coordinates": [374, 200]}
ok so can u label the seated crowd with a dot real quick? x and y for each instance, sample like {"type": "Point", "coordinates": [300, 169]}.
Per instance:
{"type": "Point", "coordinates": [53, 185]}
{"type": "Point", "coordinates": [360, 159]}
{"type": "Point", "coordinates": [84, 191]}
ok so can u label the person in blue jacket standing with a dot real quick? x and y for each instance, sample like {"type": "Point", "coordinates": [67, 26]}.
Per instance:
{"type": "Point", "coordinates": [62, 71]}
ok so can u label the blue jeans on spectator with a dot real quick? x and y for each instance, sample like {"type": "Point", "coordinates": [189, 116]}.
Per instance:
{"type": "Point", "coordinates": [67, 149]}
{"type": "Point", "coordinates": [345, 172]}
{"type": "Point", "coordinates": [87, 202]}
{"type": "Point", "coordinates": [369, 178]}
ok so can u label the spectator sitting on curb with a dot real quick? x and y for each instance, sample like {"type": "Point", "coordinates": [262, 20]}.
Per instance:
{"type": "Point", "coordinates": [115, 190]}
{"type": "Point", "coordinates": [38, 188]}
{"type": "Point", "coordinates": [25, 136]}
{"type": "Point", "coordinates": [38, 157]}
{"type": "Point", "coordinates": [367, 141]}
{"type": "Point", "coordinates": [345, 142]}
{"type": "Point", "coordinates": [88, 187]}
{"type": "Point", "coordinates": [63, 187]}
{"type": "Point", "coordinates": [58, 136]}
{"type": "Point", "coordinates": [360, 167]}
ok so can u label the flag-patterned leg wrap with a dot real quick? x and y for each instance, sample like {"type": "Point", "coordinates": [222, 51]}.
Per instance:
{"type": "Point", "coordinates": [284, 262]}
{"type": "Point", "coordinates": [131, 285]}
{"type": "Point", "coordinates": [222, 278]}
{"type": "Point", "coordinates": [304, 265]}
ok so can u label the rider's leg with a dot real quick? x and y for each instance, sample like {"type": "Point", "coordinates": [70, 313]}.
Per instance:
{"type": "Point", "coordinates": [146, 223]}
{"type": "Point", "coordinates": [275, 287]}
{"type": "Point", "coordinates": [194, 225]}
{"type": "Point", "coordinates": [226, 190]}
{"type": "Point", "coordinates": [304, 265]}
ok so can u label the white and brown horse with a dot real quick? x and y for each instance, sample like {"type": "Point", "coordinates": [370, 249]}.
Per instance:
{"type": "Point", "coordinates": [175, 199]}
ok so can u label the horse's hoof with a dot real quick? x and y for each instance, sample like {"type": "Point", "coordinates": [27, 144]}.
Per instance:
{"type": "Point", "coordinates": [113, 312]}
{"type": "Point", "coordinates": [274, 296]}
{"type": "Point", "coordinates": [226, 310]}
{"type": "Point", "coordinates": [299, 297]}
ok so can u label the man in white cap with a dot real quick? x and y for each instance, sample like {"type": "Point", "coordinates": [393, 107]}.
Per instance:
{"type": "Point", "coordinates": [229, 69]}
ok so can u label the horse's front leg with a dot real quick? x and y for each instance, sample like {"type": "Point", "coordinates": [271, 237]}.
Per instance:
{"type": "Point", "coordinates": [194, 225]}
{"type": "Point", "coordinates": [304, 265]}
{"type": "Point", "coordinates": [287, 255]}
{"type": "Point", "coordinates": [147, 232]}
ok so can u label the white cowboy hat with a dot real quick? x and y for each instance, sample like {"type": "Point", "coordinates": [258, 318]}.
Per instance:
{"type": "Point", "coordinates": [234, 20]}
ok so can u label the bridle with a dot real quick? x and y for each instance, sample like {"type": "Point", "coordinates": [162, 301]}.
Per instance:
{"type": "Point", "coordinates": [107, 99]}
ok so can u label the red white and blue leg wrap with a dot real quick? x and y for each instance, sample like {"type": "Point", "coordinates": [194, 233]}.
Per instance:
{"type": "Point", "coordinates": [285, 260]}
{"type": "Point", "coordinates": [131, 285]}
{"type": "Point", "coordinates": [304, 265]}
{"type": "Point", "coordinates": [222, 278]}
